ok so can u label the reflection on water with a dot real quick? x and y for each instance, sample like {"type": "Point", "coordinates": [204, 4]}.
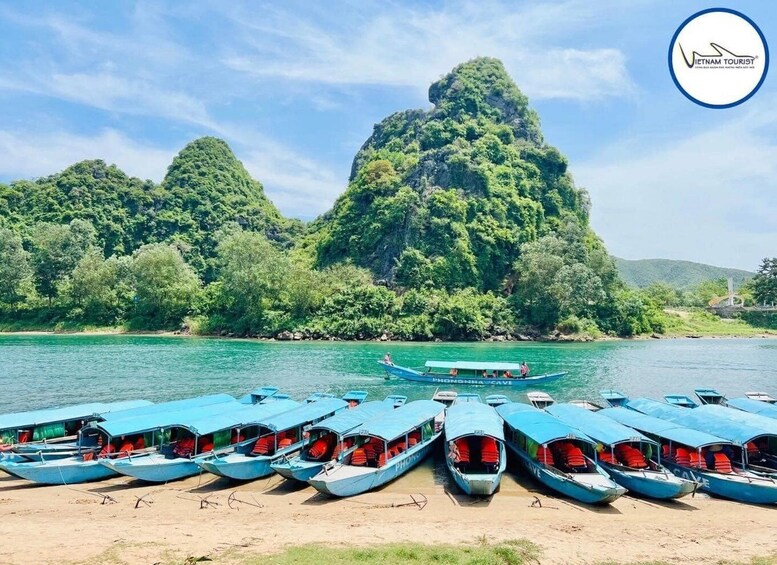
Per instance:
{"type": "Point", "coordinates": [38, 371]}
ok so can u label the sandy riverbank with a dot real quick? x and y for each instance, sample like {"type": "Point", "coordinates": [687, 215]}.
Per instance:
{"type": "Point", "coordinates": [70, 525]}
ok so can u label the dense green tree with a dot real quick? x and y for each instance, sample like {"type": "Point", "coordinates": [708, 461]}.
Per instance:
{"type": "Point", "coordinates": [15, 269]}
{"type": "Point", "coordinates": [663, 294]}
{"type": "Point", "coordinates": [165, 286]}
{"type": "Point", "coordinates": [56, 250]}
{"type": "Point", "coordinates": [101, 290]}
{"type": "Point", "coordinates": [764, 285]}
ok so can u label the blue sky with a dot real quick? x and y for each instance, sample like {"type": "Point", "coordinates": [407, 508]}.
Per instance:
{"type": "Point", "coordinates": [295, 89]}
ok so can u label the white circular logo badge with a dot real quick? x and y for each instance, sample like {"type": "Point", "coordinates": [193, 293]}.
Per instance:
{"type": "Point", "coordinates": [718, 58]}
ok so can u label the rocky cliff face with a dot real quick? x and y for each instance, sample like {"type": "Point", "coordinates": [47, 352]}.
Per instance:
{"type": "Point", "coordinates": [445, 197]}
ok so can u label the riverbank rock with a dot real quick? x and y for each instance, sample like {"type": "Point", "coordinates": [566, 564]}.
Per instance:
{"type": "Point", "coordinates": [285, 335]}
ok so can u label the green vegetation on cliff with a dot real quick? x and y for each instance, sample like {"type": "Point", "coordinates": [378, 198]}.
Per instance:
{"type": "Point", "coordinates": [459, 222]}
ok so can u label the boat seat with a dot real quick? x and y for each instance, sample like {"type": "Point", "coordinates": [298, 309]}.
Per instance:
{"type": "Point", "coordinates": [695, 460]}
{"type": "Point", "coordinates": [264, 445]}
{"type": "Point", "coordinates": [752, 448]}
{"type": "Point", "coordinates": [682, 457]}
{"type": "Point", "coordinates": [339, 448]}
{"type": "Point", "coordinates": [184, 448]}
{"type": "Point", "coordinates": [25, 436]}
{"type": "Point", "coordinates": [126, 448]}
{"type": "Point", "coordinates": [413, 438]}
{"type": "Point", "coordinates": [285, 442]}
{"type": "Point", "coordinates": [140, 443]}
{"type": "Point", "coordinates": [318, 449]}
{"type": "Point", "coordinates": [631, 456]}
{"type": "Point", "coordinates": [358, 457]}
{"type": "Point", "coordinates": [236, 437]}
{"type": "Point", "coordinates": [722, 463]}
{"type": "Point", "coordinates": [608, 457]}
{"type": "Point", "coordinates": [463, 446]}
{"type": "Point", "coordinates": [107, 449]}
{"type": "Point", "coordinates": [88, 456]}
{"type": "Point", "coordinates": [545, 455]}
{"type": "Point", "coordinates": [382, 459]}
{"type": "Point", "coordinates": [666, 451]}
{"type": "Point", "coordinates": [574, 458]}
{"type": "Point", "coordinates": [489, 451]}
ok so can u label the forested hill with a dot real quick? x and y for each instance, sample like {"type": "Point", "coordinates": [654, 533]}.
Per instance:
{"type": "Point", "coordinates": [459, 222]}
{"type": "Point", "coordinates": [679, 274]}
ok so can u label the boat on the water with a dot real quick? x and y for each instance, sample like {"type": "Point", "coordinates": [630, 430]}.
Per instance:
{"type": "Point", "coordinates": [709, 396]}
{"type": "Point", "coordinates": [447, 397]}
{"type": "Point", "coordinates": [386, 447]}
{"type": "Point", "coordinates": [559, 456]}
{"type": "Point", "coordinates": [586, 404]}
{"type": "Point", "coordinates": [280, 435]}
{"type": "Point", "coordinates": [396, 400]}
{"type": "Point", "coordinates": [761, 397]}
{"type": "Point", "coordinates": [464, 397]}
{"type": "Point", "coordinates": [52, 432]}
{"type": "Point", "coordinates": [470, 373]}
{"type": "Point", "coordinates": [540, 400]}
{"type": "Point", "coordinates": [475, 447]}
{"type": "Point", "coordinates": [631, 458]}
{"type": "Point", "coordinates": [680, 400]}
{"type": "Point", "coordinates": [613, 397]}
{"type": "Point", "coordinates": [497, 400]}
{"type": "Point", "coordinates": [756, 433]}
{"type": "Point", "coordinates": [326, 442]}
{"type": "Point", "coordinates": [684, 450]}
{"type": "Point", "coordinates": [129, 432]}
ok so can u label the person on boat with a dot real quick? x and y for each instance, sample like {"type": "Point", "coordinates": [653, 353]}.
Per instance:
{"type": "Point", "coordinates": [524, 370]}
{"type": "Point", "coordinates": [496, 374]}
{"type": "Point", "coordinates": [454, 372]}
{"type": "Point", "coordinates": [507, 374]}
{"type": "Point", "coordinates": [484, 374]}
{"type": "Point", "coordinates": [453, 452]}
{"type": "Point", "coordinates": [387, 359]}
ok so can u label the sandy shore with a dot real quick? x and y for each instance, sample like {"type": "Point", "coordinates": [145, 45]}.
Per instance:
{"type": "Point", "coordinates": [71, 525]}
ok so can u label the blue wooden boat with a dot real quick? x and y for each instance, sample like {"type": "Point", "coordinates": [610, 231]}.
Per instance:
{"type": "Point", "coordinates": [626, 454]}
{"type": "Point", "coordinates": [709, 396]}
{"type": "Point", "coordinates": [259, 395]}
{"type": "Point", "coordinates": [51, 432]}
{"type": "Point", "coordinates": [355, 397]}
{"type": "Point", "coordinates": [559, 456]}
{"type": "Point", "coordinates": [396, 400]}
{"type": "Point", "coordinates": [682, 453]}
{"type": "Point", "coordinates": [497, 400]}
{"type": "Point", "coordinates": [761, 397]}
{"type": "Point", "coordinates": [753, 407]}
{"type": "Point", "coordinates": [613, 397]}
{"type": "Point", "coordinates": [464, 397]}
{"type": "Point", "coordinates": [386, 447]}
{"type": "Point", "coordinates": [278, 436]}
{"type": "Point", "coordinates": [468, 373]}
{"type": "Point", "coordinates": [755, 435]}
{"type": "Point", "coordinates": [104, 439]}
{"type": "Point", "coordinates": [476, 456]}
{"type": "Point", "coordinates": [540, 400]}
{"type": "Point", "coordinates": [680, 400]}
{"type": "Point", "coordinates": [326, 441]}
{"type": "Point", "coordinates": [197, 439]}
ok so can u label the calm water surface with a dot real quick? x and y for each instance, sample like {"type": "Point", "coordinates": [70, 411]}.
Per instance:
{"type": "Point", "coordinates": [41, 371]}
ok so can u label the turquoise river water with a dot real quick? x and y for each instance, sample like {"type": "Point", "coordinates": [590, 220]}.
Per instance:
{"type": "Point", "coordinates": [47, 370]}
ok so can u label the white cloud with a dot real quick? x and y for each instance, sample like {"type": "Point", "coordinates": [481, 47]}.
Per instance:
{"type": "Point", "coordinates": [709, 197]}
{"type": "Point", "coordinates": [30, 155]}
{"type": "Point", "coordinates": [410, 47]}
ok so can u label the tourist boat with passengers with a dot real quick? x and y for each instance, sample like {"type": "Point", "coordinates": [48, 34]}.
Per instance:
{"type": "Point", "coordinates": [685, 452]}
{"type": "Point", "coordinates": [326, 441]}
{"type": "Point", "coordinates": [626, 454]}
{"type": "Point", "coordinates": [558, 455]}
{"type": "Point", "coordinates": [119, 435]}
{"type": "Point", "coordinates": [757, 433]}
{"type": "Point", "coordinates": [51, 432]}
{"type": "Point", "coordinates": [470, 373]}
{"type": "Point", "coordinates": [278, 435]}
{"type": "Point", "coordinates": [385, 448]}
{"type": "Point", "coordinates": [475, 450]}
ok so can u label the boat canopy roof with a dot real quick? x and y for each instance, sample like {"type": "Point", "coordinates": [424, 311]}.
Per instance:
{"type": "Point", "coordinates": [474, 365]}
{"type": "Point", "coordinates": [662, 428]}
{"type": "Point", "coordinates": [169, 406]}
{"type": "Point", "coordinates": [343, 422]}
{"type": "Point", "coordinates": [401, 420]}
{"type": "Point", "coordinates": [163, 419]}
{"type": "Point", "coordinates": [717, 420]}
{"type": "Point", "coordinates": [473, 418]}
{"type": "Point", "coordinates": [754, 407]}
{"type": "Point", "coordinates": [302, 414]}
{"type": "Point", "coordinates": [238, 418]}
{"type": "Point", "coordinates": [757, 421]}
{"type": "Point", "coordinates": [65, 413]}
{"type": "Point", "coordinates": [537, 424]}
{"type": "Point", "coordinates": [596, 426]}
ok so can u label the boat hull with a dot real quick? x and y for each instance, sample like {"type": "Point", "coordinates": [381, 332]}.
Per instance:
{"type": "Point", "coordinates": [153, 468]}
{"type": "Point", "coordinates": [754, 490]}
{"type": "Point", "coordinates": [415, 376]}
{"type": "Point", "coordinates": [298, 470]}
{"type": "Point", "coordinates": [596, 494]}
{"type": "Point", "coordinates": [60, 471]}
{"type": "Point", "coordinates": [653, 484]}
{"type": "Point", "coordinates": [479, 484]}
{"type": "Point", "coordinates": [239, 467]}
{"type": "Point", "coordinates": [335, 480]}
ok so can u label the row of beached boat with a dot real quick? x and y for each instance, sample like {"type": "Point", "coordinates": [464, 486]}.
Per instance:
{"type": "Point", "coordinates": [347, 446]}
